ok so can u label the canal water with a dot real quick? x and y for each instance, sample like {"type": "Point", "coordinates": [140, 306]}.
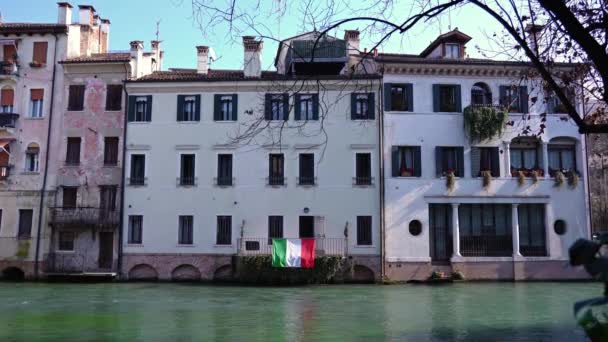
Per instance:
{"type": "Point", "coordinates": [189, 312]}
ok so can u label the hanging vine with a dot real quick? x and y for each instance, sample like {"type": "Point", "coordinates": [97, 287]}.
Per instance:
{"type": "Point", "coordinates": [483, 122]}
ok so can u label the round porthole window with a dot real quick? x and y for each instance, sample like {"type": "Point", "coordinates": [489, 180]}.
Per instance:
{"type": "Point", "coordinates": [559, 227]}
{"type": "Point", "coordinates": [415, 227]}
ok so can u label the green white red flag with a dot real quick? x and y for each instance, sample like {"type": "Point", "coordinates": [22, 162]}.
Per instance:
{"type": "Point", "coordinates": [293, 253]}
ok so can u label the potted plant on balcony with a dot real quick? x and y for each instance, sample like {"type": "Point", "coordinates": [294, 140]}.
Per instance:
{"type": "Point", "coordinates": [450, 179]}
{"type": "Point", "coordinates": [573, 178]}
{"type": "Point", "coordinates": [535, 174]}
{"type": "Point", "coordinates": [560, 179]}
{"type": "Point", "coordinates": [484, 122]}
{"type": "Point", "coordinates": [521, 178]}
{"type": "Point", "coordinates": [406, 172]}
{"type": "Point", "coordinates": [486, 178]}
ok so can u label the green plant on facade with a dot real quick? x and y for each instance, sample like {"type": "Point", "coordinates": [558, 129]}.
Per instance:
{"type": "Point", "coordinates": [484, 122]}
{"type": "Point", "coordinates": [450, 181]}
{"type": "Point", "coordinates": [486, 178]}
{"type": "Point", "coordinates": [258, 270]}
{"type": "Point", "coordinates": [573, 179]}
{"type": "Point", "coordinates": [457, 275]}
{"type": "Point", "coordinates": [23, 249]}
{"type": "Point", "coordinates": [535, 176]}
{"type": "Point", "coordinates": [521, 178]}
{"type": "Point", "coordinates": [560, 179]}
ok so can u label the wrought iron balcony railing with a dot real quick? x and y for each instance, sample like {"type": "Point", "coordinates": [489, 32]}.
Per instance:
{"type": "Point", "coordinates": [263, 246]}
{"type": "Point", "coordinates": [486, 246]}
{"type": "Point", "coordinates": [84, 217]}
{"type": "Point", "coordinates": [8, 120]}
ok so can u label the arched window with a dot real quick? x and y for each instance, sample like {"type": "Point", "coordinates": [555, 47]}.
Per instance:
{"type": "Point", "coordinates": [7, 98]}
{"type": "Point", "coordinates": [31, 157]}
{"type": "Point", "coordinates": [481, 95]}
{"type": "Point", "coordinates": [562, 156]}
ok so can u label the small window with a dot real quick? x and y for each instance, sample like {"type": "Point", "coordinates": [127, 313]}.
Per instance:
{"type": "Point", "coordinates": [187, 164]}
{"type": "Point", "coordinates": [40, 52]}
{"type": "Point", "coordinates": [70, 197]}
{"type": "Point", "coordinates": [224, 169]}
{"type": "Point", "coordinates": [559, 227]}
{"type": "Point", "coordinates": [562, 158]}
{"type": "Point", "coordinates": [275, 228]}
{"type": "Point", "coordinates": [138, 169]}
{"type": "Point", "coordinates": [307, 169]}
{"type": "Point", "coordinates": [406, 161]}
{"type": "Point", "coordinates": [415, 227]}
{"type": "Point", "coordinates": [114, 97]}
{"type": "Point", "coordinates": [25, 223]}
{"type": "Point", "coordinates": [362, 106]}
{"type": "Point", "coordinates": [225, 108]}
{"type": "Point", "coordinates": [307, 226]}
{"type": "Point", "coordinates": [140, 109]}
{"type": "Point", "coordinates": [76, 97]}
{"type": "Point", "coordinates": [252, 245]}
{"type": "Point", "coordinates": [135, 229]}
{"type": "Point", "coordinates": [185, 230]}
{"type": "Point", "coordinates": [32, 154]}
{"type": "Point", "coordinates": [110, 151]}
{"type": "Point", "coordinates": [66, 241]}
{"type": "Point", "coordinates": [450, 160]}
{"type": "Point", "coordinates": [400, 97]}
{"type": "Point", "coordinates": [276, 169]}
{"type": "Point", "coordinates": [276, 107]}
{"type": "Point", "coordinates": [307, 107]}
{"type": "Point", "coordinates": [36, 103]}
{"type": "Point", "coordinates": [363, 169]}
{"type": "Point", "coordinates": [224, 230]}
{"type": "Point", "coordinates": [446, 98]}
{"type": "Point", "coordinates": [188, 108]}
{"type": "Point", "coordinates": [73, 151]}
{"type": "Point", "coordinates": [452, 50]}
{"type": "Point", "coordinates": [481, 94]}
{"type": "Point", "coordinates": [107, 197]}
{"type": "Point", "coordinates": [9, 53]}
{"type": "Point", "coordinates": [364, 230]}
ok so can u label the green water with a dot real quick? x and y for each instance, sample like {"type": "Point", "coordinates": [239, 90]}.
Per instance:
{"type": "Point", "coordinates": [177, 312]}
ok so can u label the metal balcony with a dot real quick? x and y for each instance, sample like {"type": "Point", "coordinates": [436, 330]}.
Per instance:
{"type": "Point", "coordinates": [263, 246]}
{"type": "Point", "coordinates": [84, 217]}
{"type": "Point", "coordinates": [8, 69]}
{"type": "Point", "coordinates": [8, 120]}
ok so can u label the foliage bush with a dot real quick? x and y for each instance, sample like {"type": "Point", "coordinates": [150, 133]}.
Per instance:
{"type": "Point", "coordinates": [259, 270]}
{"type": "Point", "coordinates": [483, 122]}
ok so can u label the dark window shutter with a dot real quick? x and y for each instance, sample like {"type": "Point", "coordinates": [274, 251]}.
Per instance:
{"type": "Point", "coordinates": [523, 99]}
{"type": "Point", "coordinates": [267, 109]}
{"type": "Point", "coordinates": [296, 106]}
{"type": "Point", "coordinates": [475, 161]}
{"type": "Point", "coordinates": [371, 106]}
{"type": "Point", "coordinates": [197, 108]}
{"type": "Point", "coordinates": [438, 160]}
{"type": "Point", "coordinates": [436, 98]}
{"type": "Point", "coordinates": [315, 106]}
{"type": "Point", "coordinates": [353, 106]}
{"type": "Point", "coordinates": [460, 161]}
{"type": "Point", "coordinates": [149, 108]}
{"type": "Point", "coordinates": [417, 162]}
{"type": "Point", "coordinates": [180, 107]}
{"type": "Point", "coordinates": [131, 109]}
{"type": "Point", "coordinates": [286, 106]}
{"type": "Point", "coordinates": [502, 93]}
{"type": "Point", "coordinates": [387, 96]}
{"type": "Point", "coordinates": [395, 160]}
{"type": "Point", "coordinates": [458, 98]}
{"type": "Point", "coordinates": [270, 173]}
{"type": "Point", "coordinates": [495, 162]}
{"type": "Point", "coordinates": [235, 107]}
{"type": "Point", "coordinates": [410, 97]}
{"type": "Point", "coordinates": [217, 116]}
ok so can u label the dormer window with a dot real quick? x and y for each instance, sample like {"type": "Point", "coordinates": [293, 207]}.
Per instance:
{"type": "Point", "coordinates": [452, 50]}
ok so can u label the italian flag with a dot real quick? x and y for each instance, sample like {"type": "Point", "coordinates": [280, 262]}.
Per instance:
{"type": "Point", "coordinates": [293, 253]}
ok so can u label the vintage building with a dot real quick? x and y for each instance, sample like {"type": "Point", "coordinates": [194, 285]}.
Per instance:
{"type": "Point", "coordinates": [248, 155]}
{"type": "Point", "coordinates": [504, 208]}
{"type": "Point", "coordinates": [62, 106]}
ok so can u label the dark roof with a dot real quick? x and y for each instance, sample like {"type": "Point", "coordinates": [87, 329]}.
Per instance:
{"type": "Point", "coordinates": [451, 36]}
{"type": "Point", "coordinates": [215, 75]}
{"type": "Point", "coordinates": [415, 59]}
{"type": "Point", "coordinates": [110, 57]}
{"type": "Point", "coordinates": [15, 28]}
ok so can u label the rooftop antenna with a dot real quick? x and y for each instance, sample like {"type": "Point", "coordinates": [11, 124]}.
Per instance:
{"type": "Point", "coordinates": [158, 29]}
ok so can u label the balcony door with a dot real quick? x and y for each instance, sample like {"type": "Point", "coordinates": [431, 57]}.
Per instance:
{"type": "Point", "coordinates": [440, 232]}
{"type": "Point", "coordinates": [106, 249]}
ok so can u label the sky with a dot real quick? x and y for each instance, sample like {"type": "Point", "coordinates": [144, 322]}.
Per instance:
{"type": "Point", "coordinates": [180, 32]}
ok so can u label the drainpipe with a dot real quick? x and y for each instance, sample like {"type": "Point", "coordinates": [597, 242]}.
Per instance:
{"type": "Point", "coordinates": [381, 170]}
{"type": "Point", "coordinates": [121, 220]}
{"type": "Point", "coordinates": [41, 208]}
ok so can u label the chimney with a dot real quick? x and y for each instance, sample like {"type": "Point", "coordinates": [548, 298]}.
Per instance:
{"type": "Point", "coordinates": [64, 15]}
{"type": "Point", "coordinates": [137, 52]}
{"type": "Point", "coordinates": [352, 41]}
{"type": "Point", "coordinates": [534, 36]}
{"type": "Point", "coordinates": [105, 35]}
{"type": "Point", "coordinates": [202, 59]}
{"type": "Point", "coordinates": [252, 57]}
{"type": "Point", "coordinates": [85, 14]}
{"type": "Point", "coordinates": [157, 55]}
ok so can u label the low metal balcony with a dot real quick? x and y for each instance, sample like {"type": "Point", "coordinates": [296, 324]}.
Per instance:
{"type": "Point", "coordinates": [8, 69]}
{"type": "Point", "coordinates": [263, 246]}
{"type": "Point", "coordinates": [8, 120]}
{"type": "Point", "coordinates": [84, 217]}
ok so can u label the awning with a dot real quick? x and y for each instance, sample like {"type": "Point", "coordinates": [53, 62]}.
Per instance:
{"type": "Point", "coordinates": [4, 143]}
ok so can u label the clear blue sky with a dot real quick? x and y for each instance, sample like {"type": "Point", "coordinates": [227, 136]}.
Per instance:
{"type": "Point", "coordinates": [136, 20]}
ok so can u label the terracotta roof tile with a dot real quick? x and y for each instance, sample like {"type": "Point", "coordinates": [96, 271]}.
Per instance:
{"type": "Point", "coordinates": [110, 57]}
{"type": "Point", "coordinates": [14, 28]}
{"type": "Point", "coordinates": [214, 75]}
{"type": "Point", "coordinates": [415, 59]}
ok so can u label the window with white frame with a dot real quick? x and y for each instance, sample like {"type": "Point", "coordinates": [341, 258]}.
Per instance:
{"type": "Point", "coordinates": [189, 108]}
{"type": "Point", "coordinates": [32, 158]}
{"type": "Point", "coordinates": [306, 107]}
{"type": "Point", "coordinates": [226, 107]}
{"type": "Point", "coordinates": [36, 102]}
{"type": "Point", "coordinates": [141, 107]}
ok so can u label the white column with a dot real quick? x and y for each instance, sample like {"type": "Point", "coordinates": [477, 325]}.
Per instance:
{"type": "Point", "coordinates": [455, 231]}
{"type": "Point", "coordinates": [515, 233]}
{"type": "Point", "coordinates": [545, 159]}
{"type": "Point", "coordinates": [507, 159]}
